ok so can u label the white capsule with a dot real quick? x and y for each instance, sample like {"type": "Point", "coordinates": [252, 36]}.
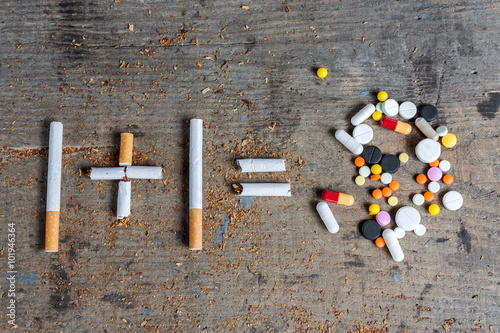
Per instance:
{"type": "Point", "coordinates": [426, 128]}
{"type": "Point", "coordinates": [444, 165]}
{"type": "Point", "coordinates": [428, 150]}
{"type": "Point", "coordinates": [442, 130]}
{"type": "Point", "coordinates": [407, 110]}
{"type": "Point", "coordinates": [453, 200]}
{"type": "Point", "coordinates": [407, 218]}
{"type": "Point", "coordinates": [363, 114]}
{"type": "Point", "coordinates": [433, 187]}
{"type": "Point", "coordinates": [363, 133]}
{"type": "Point", "coordinates": [386, 178]}
{"type": "Point", "coordinates": [327, 216]}
{"type": "Point", "coordinates": [364, 171]}
{"type": "Point", "coordinates": [400, 233]}
{"type": "Point", "coordinates": [349, 142]}
{"type": "Point", "coordinates": [390, 108]}
{"type": "Point", "coordinates": [392, 243]}
{"type": "Point", "coordinates": [418, 199]}
{"type": "Point", "coordinates": [420, 230]}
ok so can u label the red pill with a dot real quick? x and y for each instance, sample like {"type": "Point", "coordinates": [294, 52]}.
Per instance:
{"type": "Point", "coordinates": [337, 197]}
{"type": "Point", "coordinates": [395, 125]}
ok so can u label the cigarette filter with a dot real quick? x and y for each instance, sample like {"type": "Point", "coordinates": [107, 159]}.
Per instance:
{"type": "Point", "coordinates": [117, 173]}
{"type": "Point", "coordinates": [143, 172]}
{"type": "Point", "coordinates": [126, 149]}
{"type": "Point", "coordinates": [195, 184]}
{"type": "Point", "coordinates": [261, 165]}
{"type": "Point", "coordinates": [124, 194]}
{"type": "Point", "coordinates": [54, 187]}
{"type": "Point", "coordinates": [266, 190]}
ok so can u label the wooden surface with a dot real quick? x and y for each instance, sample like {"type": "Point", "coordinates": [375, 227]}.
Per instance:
{"type": "Point", "coordinates": [268, 264]}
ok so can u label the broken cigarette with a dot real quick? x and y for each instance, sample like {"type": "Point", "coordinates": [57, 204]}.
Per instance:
{"type": "Point", "coordinates": [195, 184]}
{"type": "Point", "coordinates": [124, 194]}
{"type": "Point", "coordinates": [54, 187]}
{"type": "Point", "coordinates": [143, 172]}
{"type": "Point", "coordinates": [126, 149]}
{"type": "Point", "coordinates": [265, 190]}
{"type": "Point", "coordinates": [261, 165]}
{"type": "Point", "coordinates": [107, 173]}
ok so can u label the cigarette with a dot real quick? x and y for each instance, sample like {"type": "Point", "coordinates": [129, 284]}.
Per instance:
{"type": "Point", "coordinates": [124, 194]}
{"type": "Point", "coordinates": [126, 149]}
{"type": "Point", "coordinates": [266, 190]}
{"type": "Point", "coordinates": [54, 187]}
{"type": "Point", "coordinates": [117, 173]}
{"type": "Point", "coordinates": [195, 184]}
{"type": "Point", "coordinates": [261, 165]}
{"type": "Point", "coordinates": [143, 172]}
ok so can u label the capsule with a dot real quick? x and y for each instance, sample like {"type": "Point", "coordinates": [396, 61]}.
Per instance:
{"type": "Point", "coordinates": [426, 128]}
{"type": "Point", "coordinates": [363, 114]}
{"type": "Point", "coordinates": [337, 197]}
{"type": "Point", "coordinates": [327, 216]}
{"type": "Point", "coordinates": [392, 243]}
{"type": "Point", "coordinates": [395, 125]}
{"type": "Point", "coordinates": [349, 142]}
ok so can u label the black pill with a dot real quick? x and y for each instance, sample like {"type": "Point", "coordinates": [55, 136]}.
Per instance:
{"type": "Point", "coordinates": [371, 230]}
{"type": "Point", "coordinates": [428, 112]}
{"type": "Point", "coordinates": [372, 154]}
{"type": "Point", "coordinates": [390, 163]}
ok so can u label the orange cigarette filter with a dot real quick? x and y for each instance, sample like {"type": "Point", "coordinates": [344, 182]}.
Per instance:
{"type": "Point", "coordinates": [195, 229]}
{"type": "Point", "coordinates": [52, 232]}
{"type": "Point", "coordinates": [126, 149]}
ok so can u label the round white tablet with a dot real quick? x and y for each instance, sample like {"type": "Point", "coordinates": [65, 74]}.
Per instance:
{"type": "Point", "coordinates": [364, 171]}
{"type": "Point", "coordinates": [407, 218]}
{"type": "Point", "coordinates": [428, 150]}
{"type": "Point", "coordinates": [363, 133]}
{"type": "Point", "coordinates": [420, 230]}
{"type": "Point", "coordinates": [442, 130]}
{"type": "Point", "coordinates": [379, 107]}
{"type": "Point", "coordinates": [453, 200]}
{"type": "Point", "coordinates": [390, 107]}
{"type": "Point", "coordinates": [433, 187]}
{"type": "Point", "coordinates": [386, 178]}
{"type": "Point", "coordinates": [407, 110]}
{"type": "Point", "coordinates": [400, 233]}
{"type": "Point", "coordinates": [444, 165]}
{"type": "Point", "coordinates": [418, 199]}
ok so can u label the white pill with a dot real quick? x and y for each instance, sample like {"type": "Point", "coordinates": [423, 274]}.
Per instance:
{"type": "Point", "coordinates": [364, 171]}
{"type": "Point", "coordinates": [363, 114]}
{"type": "Point", "coordinates": [400, 233]}
{"type": "Point", "coordinates": [442, 130]}
{"type": "Point", "coordinates": [386, 178]}
{"type": "Point", "coordinates": [407, 110]}
{"type": "Point", "coordinates": [363, 133]}
{"type": "Point", "coordinates": [426, 128]}
{"type": "Point", "coordinates": [407, 218]}
{"type": "Point", "coordinates": [349, 142]}
{"type": "Point", "coordinates": [379, 107]}
{"type": "Point", "coordinates": [392, 243]}
{"type": "Point", "coordinates": [433, 187]}
{"type": "Point", "coordinates": [418, 199]}
{"type": "Point", "coordinates": [444, 165]}
{"type": "Point", "coordinates": [420, 230]}
{"type": "Point", "coordinates": [390, 108]}
{"type": "Point", "coordinates": [453, 200]}
{"type": "Point", "coordinates": [327, 216]}
{"type": "Point", "coordinates": [428, 150]}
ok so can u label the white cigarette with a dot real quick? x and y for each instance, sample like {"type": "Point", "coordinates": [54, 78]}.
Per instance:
{"type": "Point", "coordinates": [117, 173]}
{"type": "Point", "coordinates": [261, 165]}
{"type": "Point", "coordinates": [124, 194]}
{"type": "Point", "coordinates": [54, 187]}
{"type": "Point", "coordinates": [266, 190]}
{"type": "Point", "coordinates": [143, 172]}
{"type": "Point", "coordinates": [195, 184]}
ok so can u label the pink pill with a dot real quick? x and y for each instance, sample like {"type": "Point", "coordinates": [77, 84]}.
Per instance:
{"type": "Point", "coordinates": [434, 174]}
{"type": "Point", "coordinates": [383, 218]}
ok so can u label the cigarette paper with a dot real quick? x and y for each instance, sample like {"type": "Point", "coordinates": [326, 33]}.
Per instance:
{"type": "Point", "coordinates": [117, 173]}
{"type": "Point", "coordinates": [54, 187]}
{"type": "Point", "coordinates": [143, 172]}
{"type": "Point", "coordinates": [261, 165]}
{"type": "Point", "coordinates": [195, 184]}
{"type": "Point", "coordinates": [124, 194]}
{"type": "Point", "coordinates": [126, 149]}
{"type": "Point", "coordinates": [266, 190]}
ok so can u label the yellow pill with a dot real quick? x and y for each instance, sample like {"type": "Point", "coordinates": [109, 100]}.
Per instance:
{"type": "Point", "coordinates": [374, 209]}
{"type": "Point", "coordinates": [360, 180]}
{"type": "Point", "coordinates": [376, 169]}
{"type": "Point", "coordinates": [382, 96]}
{"type": "Point", "coordinates": [434, 209]}
{"type": "Point", "coordinates": [449, 140]}
{"type": "Point", "coordinates": [322, 72]}
{"type": "Point", "coordinates": [377, 115]}
{"type": "Point", "coordinates": [403, 157]}
{"type": "Point", "coordinates": [392, 201]}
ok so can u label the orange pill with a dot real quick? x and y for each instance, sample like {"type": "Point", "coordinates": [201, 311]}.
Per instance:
{"type": "Point", "coordinates": [394, 185]}
{"type": "Point", "coordinates": [359, 162]}
{"type": "Point", "coordinates": [428, 196]}
{"type": "Point", "coordinates": [375, 177]}
{"type": "Point", "coordinates": [377, 194]}
{"type": "Point", "coordinates": [386, 192]}
{"type": "Point", "coordinates": [447, 179]}
{"type": "Point", "coordinates": [421, 179]}
{"type": "Point", "coordinates": [434, 164]}
{"type": "Point", "coordinates": [380, 242]}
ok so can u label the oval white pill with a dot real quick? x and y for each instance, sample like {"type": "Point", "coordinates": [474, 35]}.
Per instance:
{"type": "Point", "coordinates": [420, 230]}
{"type": "Point", "coordinates": [418, 199]}
{"type": "Point", "coordinates": [407, 218]}
{"type": "Point", "coordinates": [407, 110]}
{"type": "Point", "coordinates": [386, 178]}
{"type": "Point", "coordinates": [444, 165]}
{"type": "Point", "coordinates": [349, 142]}
{"type": "Point", "coordinates": [433, 187]}
{"type": "Point", "coordinates": [364, 171]}
{"type": "Point", "coordinates": [363, 133]}
{"type": "Point", "coordinates": [327, 216]}
{"type": "Point", "coordinates": [379, 107]}
{"type": "Point", "coordinates": [428, 150]}
{"type": "Point", "coordinates": [442, 130]}
{"type": "Point", "coordinates": [453, 200]}
{"type": "Point", "coordinates": [363, 114]}
{"type": "Point", "coordinates": [392, 243]}
{"type": "Point", "coordinates": [390, 107]}
{"type": "Point", "coordinates": [400, 233]}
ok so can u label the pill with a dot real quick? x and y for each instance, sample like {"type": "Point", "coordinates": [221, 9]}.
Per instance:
{"type": "Point", "coordinates": [380, 242]}
{"type": "Point", "coordinates": [327, 216]}
{"type": "Point", "coordinates": [392, 201]}
{"type": "Point", "coordinates": [390, 163]}
{"type": "Point", "coordinates": [392, 243]}
{"type": "Point", "coordinates": [448, 179]}
{"type": "Point", "coordinates": [434, 174]}
{"type": "Point", "coordinates": [390, 108]}
{"type": "Point", "coordinates": [453, 200]}
{"type": "Point", "coordinates": [349, 142]}
{"type": "Point", "coordinates": [403, 158]}
{"type": "Point", "coordinates": [433, 187]}
{"type": "Point", "coordinates": [322, 72]}
{"type": "Point", "coordinates": [394, 185]}
{"type": "Point", "coordinates": [378, 107]}
{"type": "Point", "coordinates": [428, 112]}
{"type": "Point", "coordinates": [371, 230]}
{"type": "Point", "coordinates": [400, 233]}
{"type": "Point", "coordinates": [421, 179]}
{"type": "Point", "coordinates": [377, 193]}
{"type": "Point", "coordinates": [359, 180]}
{"type": "Point", "coordinates": [383, 218]}
{"type": "Point", "coordinates": [449, 140]}
{"type": "Point", "coordinates": [407, 110]}
{"type": "Point", "coordinates": [374, 209]}
{"type": "Point", "coordinates": [442, 130]}
{"type": "Point", "coordinates": [434, 164]}
{"type": "Point", "coordinates": [377, 115]}
{"type": "Point", "coordinates": [364, 171]}
{"type": "Point", "coordinates": [376, 169]}
{"type": "Point", "coordinates": [363, 114]}
{"type": "Point", "coordinates": [337, 197]}
{"type": "Point", "coordinates": [386, 192]}
{"type": "Point", "coordinates": [428, 150]}
{"type": "Point", "coordinates": [407, 218]}
{"type": "Point", "coordinates": [386, 178]}
{"type": "Point", "coordinates": [428, 196]}
{"type": "Point", "coordinates": [372, 154]}
{"type": "Point", "coordinates": [359, 161]}
{"type": "Point", "coordinates": [434, 209]}
{"type": "Point", "coordinates": [375, 177]}
{"type": "Point", "coordinates": [444, 165]}
{"type": "Point", "coordinates": [420, 230]}
{"type": "Point", "coordinates": [395, 125]}
{"type": "Point", "coordinates": [382, 96]}
{"type": "Point", "coordinates": [363, 133]}
{"type": "Point", "coordinates": [426, 128]}
{"type": "Point", "coordinates": [418, 199]}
